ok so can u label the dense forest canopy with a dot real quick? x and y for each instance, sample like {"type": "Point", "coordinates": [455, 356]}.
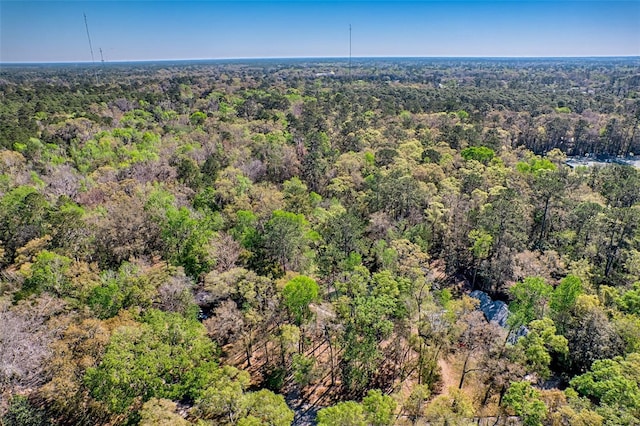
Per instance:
{"type": "Point", "coordinates": [296, 241]}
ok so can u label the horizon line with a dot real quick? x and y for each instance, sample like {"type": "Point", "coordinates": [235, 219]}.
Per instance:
{"type": "Point", "coordinates": [244, 58]}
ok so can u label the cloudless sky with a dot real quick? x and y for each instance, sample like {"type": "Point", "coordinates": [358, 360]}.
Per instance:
{"type": "Point", "coordinates": [50, 31]}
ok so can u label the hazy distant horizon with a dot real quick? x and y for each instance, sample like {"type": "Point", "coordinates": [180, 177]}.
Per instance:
{"type": "Point", "coordinates": [125, 31]}
{"type": "Point", "coordinates": [330, 58]}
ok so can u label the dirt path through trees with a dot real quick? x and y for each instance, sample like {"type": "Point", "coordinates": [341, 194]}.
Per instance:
{"type": "Point", "coordinates": [449, 378]}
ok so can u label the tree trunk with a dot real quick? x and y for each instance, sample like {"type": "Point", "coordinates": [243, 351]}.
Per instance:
{"type": "Point", "coordinates": [282, 353]}
{"type": "Point", "coordinates": [328, 337]}
{"type": "Point", "coordinates": [464, 370]}
{"type": "Point", "coordinates": [247, 348]}
{"type": "Point", "coordinates": [475, 273]}
{"type": "Point", "coordinates": [502, 392]}
{"type": "Point", "coordinates": [420, 362]}
{"type": "Point", "coordinates": [487, 395]}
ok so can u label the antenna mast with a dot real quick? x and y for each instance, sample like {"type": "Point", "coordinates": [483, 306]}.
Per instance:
{"type": "Point", "coordinates": [101, 57]}
{"type": "Point", "coordinates": [86, 25]}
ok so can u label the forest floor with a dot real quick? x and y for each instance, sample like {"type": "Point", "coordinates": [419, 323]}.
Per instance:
{"type": "Point", "coordinates": [447, 376]}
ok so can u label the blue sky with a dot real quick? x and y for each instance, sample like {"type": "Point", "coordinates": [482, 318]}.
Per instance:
{"type": "Point", "coordinates": [49, 31]}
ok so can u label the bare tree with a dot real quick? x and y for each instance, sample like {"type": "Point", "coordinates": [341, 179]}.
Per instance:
{"type": "Point", "coordinates": [225, 250]}
{"type": "Point", "coordinates": [24, 342]}
{"type": "Point", "coordinates": [175, 294]}
{"type": "Point", "coordinates": [475, 342]}
{"type": "Point", "coordinates": [226, 322]}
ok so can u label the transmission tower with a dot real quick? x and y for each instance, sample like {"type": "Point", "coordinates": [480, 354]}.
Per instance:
{"type": "Point", "coordinates": [86, 25]}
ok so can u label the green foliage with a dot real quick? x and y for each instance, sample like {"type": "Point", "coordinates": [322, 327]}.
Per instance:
{"type": "Point", "coordinates": [270, 409]}
{"type": "Point", "coordinates": [630, 300]}
{"type": "Point", "coordinates": [536, 166]}
{"type": "Point", "coordinates": [540, 343]}
{"type": "Point", "coordinates": [369, 323]}
{"type": "Point", "coordinates": [452, 407]}
{"type": "Point", "coordinates": [530, 298]}
{"type": "Point", "coordinates": [397, 193]}
{"type": "Point", "coordinates": [348, 413]}
{"type": "Point", "coordinates": [361, 359]}
{"type": "Point", "coordinates": [37, 151]}
{"type": "Point", "coordinates": [379, 408]}
{"type": "Point", "coordinates": [68, 227]}
{"type": "Point", "coordinates": [274, 378]}
{"type": "Point", "coordinates": [107, 299]}
{"type": "Point", "coordinates": [565, 294]}
{"type": "Point", "coordinates": [296, 196]}
{"type": "Point", "coordinates": [197, 118]}
{"type": "Point", "coordinates": [297, 294]}
{"type": "Point", "coordinates": [371, 315]}
{"type": "Point", "coordinates": [628, 328]}
{"type": "Point", "coordinates": [186, 238]}
{"type": "Point", "coordinates": [286, 240]}
{"type": "Point", "coordinates": [479, 153]}
{"type": "Point", "coordinates": [612, 415]}
{"type": "Point", "coordinates": [303, 368]}
{"type": "Point", "coordinates": [165, 356]}
{"type": "Point", "coordinates": [613, 383]}
{"type": "Point", "coordinates": [342, 241]}
{"type": "Point", "coordinates": [481, 243]}
{"type": "Point", "coordinates": [368, 311]}
{"type": "Point", "coordinates": [118, 148]}
{"type": "Point", "coordinates": [189, 174]}
{"type": "Point", "coordinates": [525, 401]}
{"type": "Point", "coordinates": [223, 396]}
{"type": "Point", "coordinates": [462, 114]}
{"type": "Point", "coordinates": [160, 412]}
{"type": "Point", "coordinates": [185, 234]}
{"type": "Point", "coordinates": [245, 230]}
{"type": "Point", "coordinates": [414, 404]}
{"type": "Point", "coordinates": [617, 184]}
{"type": "Point", "coordinates": [129, 286]}
{"type": "Point", "coordinates": [49, 272]}
{"type": "Point", "coordinates": [22, 413]}
{"type": "Point", "coordinates": [22, 218]}
{"type": "Point", "coordinates": [591, 335]}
